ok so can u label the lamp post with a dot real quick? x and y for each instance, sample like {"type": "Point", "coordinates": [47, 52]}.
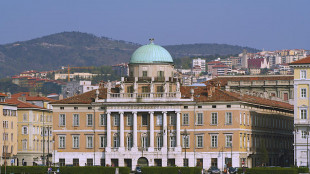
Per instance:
{"type": "Point", "coordinates": [295, 144]}
{"type": "Point", "coordinates": [307, 149]}
{"type": "Point", "coordinates": [185, 133]}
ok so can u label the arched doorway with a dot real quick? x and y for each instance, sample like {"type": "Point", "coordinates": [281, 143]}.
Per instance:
{"type": "Point", "coordinates": [143, 162]}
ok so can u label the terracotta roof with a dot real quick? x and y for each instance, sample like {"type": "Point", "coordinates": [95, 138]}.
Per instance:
{"type": "Point", "coordinates": [201, 95]}
{"type": "Point", "coordinates": [21, 104]}
{"type": "Point", "coordinates": [220, 66]}
{"type": "Point", "coordinates": [223, 80]}
{"type": "Point", "coordinates": [305, 60]}
{"type": "Point", "coordinates": [215, 62]}
{"type": "Point", "coordinates": [2, 95]}
{"type": "Point", "coordinates": [255, 63]}
{"type": "Point", "coordinates": [85, 98]}
{"type": "Point", "coordinates": [31, 98]}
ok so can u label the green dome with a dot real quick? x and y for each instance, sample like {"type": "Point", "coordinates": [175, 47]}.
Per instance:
{"type": "Point", "coordinates": [151, 53]}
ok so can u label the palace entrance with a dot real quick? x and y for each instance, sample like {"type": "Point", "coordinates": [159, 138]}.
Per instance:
{"type": "Point", "coordinates": [143, 162]}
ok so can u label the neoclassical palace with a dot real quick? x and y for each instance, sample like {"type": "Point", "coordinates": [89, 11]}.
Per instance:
{"type": "Point", "coordinates": [149, 118]}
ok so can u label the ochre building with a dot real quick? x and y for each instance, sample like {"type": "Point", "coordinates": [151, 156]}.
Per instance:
{"type": "Point", "coordinates": [149, 118]}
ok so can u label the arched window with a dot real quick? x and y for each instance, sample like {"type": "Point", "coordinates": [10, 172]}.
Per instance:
{"type": "Point", "coordinates": [116, 140]}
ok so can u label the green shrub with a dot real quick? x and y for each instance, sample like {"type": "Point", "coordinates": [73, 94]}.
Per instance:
{"type": "Point", "coordinates": [64, 170]}
{"type": "Point", "coordinates": [171, 170]}
{"type": "Point", "coordinates": [269, 170]}
{"type": "Point", "coordinates": [303, 169]}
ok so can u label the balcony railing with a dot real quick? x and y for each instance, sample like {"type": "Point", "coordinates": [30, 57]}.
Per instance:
{"type": "Point", "coordinates": [143, 95]}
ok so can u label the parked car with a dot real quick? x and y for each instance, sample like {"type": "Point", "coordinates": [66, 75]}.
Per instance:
{"type": "Point", "coordinates": [138, 170]}
{"type": "Point", "coordinates": [232, 170]}
{"type": "Point", "coordinates": [214, 170]}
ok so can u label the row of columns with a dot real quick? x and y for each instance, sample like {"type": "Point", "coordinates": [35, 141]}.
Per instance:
{"type": "Point", "coordinates": [135, 130]}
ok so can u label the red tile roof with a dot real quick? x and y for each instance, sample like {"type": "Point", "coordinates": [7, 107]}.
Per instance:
{"type": "Point", "coordinates": [2, 95]}
{"type": "Point", "coordinates": [305, 60]}
{"type": "Point", "coordinates": [223, 80]}
{"type": "Point", "coordinates": [215, 62]}
{"type": "Point", "coordinates": [200, 95]}
{"type": "Point", "coordinates": [21, 104]}
{"type": "Point", "coordinates": [31, 98]}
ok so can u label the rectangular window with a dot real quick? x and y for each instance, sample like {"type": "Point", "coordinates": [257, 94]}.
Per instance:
{"type": "Point", "coordinates": [303, 113]}
{"type": "Point", "coordinates": [185, 119]}
{"type": "Point", "coordinates": [76, 162]}
{"type": "Point", "coordinates": [144, 73]}
{"type": "Point", "coordinates": [240, 118]}
{"type": "Point", "coordinates": [62, 120]}
{"type": "Point", "coordinates": [303, 74]}
{"type": "Point", "coordinates": [228, 141]}
{"type": "Point", "coordinates": [129, 120]}
{"type": "Point", "coordinates": [116, 120]}
{"type": "Point", "coordinates": [160, 73]}
{"type": "Point", "coordinates": [5, 124]}
{"type": "Point", "coordinates": [25, 117]}
{"type": "Point", "coordinates": [199, 120]}
{"type": "Point", "coordinates": [303, 92]}
{"type": "Point", "coordinates": [89, 141]}
{"type": "Point", "coordinates": [199, 141]}
{"type": "Point", "coordinates": [76, 141]}
{"type": "Point", "coordinates": [144, 120]}
{"type": "Point", "coordinates": [103, 119]}
{"type": "Point", "coordinates": [145, 89]}
{"type": "Point", "coordinates": [214, 118]}
{"type": "Point", "coordinates": [25, 130]}
{"type": "Point", "coordinates": [103, 141]}
{"type": "Point", "coordinates": [185, 141]}
{"type": "Point", "coordinates": [76, 120]}
{"type": "Point", "coordinates": [89, 162]}
{"type": "Point", "coordinates": [304, 134]}
{"type": "Point", "coordinates": [213, 141]}
{"type": "Point", "coordinates": [76, 108]}
{"type": "Point", "coordinates": [240, 141]}
{"type": "Point", "coordinates": [89, 120]}
{"type": "Point", "coordinates": [159, 120]}
{"type": "Point", "coordinates": [228, 118]}
{"type": "Point", "coordinates": [62, 162]}
{"type": "Point", "coordinates": [62, 142]}
{"type": "Point", "coordinates": [172, 119]}
{"type": "Point", "coordinates": [172, 141]}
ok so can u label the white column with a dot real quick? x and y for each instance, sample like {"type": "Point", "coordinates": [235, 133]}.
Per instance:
{"type": "Point", "coordinates": [121, 127]}
{"type": "Point", "coordinates": [178, 127]}
{"type": "Point", "coordinates": [108, 130]}
{"type": "Point", "coordinates": [135, 130]}
{"type": "Point", "coordinates": [151, 148]}
{"type": "Point", "coordinates": [165, 130]}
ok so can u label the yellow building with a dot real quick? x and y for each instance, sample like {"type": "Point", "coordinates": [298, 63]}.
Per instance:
{"type": "Point", "coordinates": [8, 131]}
{"type": "Point", "coordinates": [34, 128]}
{"type": "Point", "coordinates": [301, 110]}
{"type": "Point", "coordinates": [151, 119]}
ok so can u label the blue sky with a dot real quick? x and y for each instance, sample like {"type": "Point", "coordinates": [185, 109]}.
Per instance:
{"type": "Point", "coordinates": [262, 24]}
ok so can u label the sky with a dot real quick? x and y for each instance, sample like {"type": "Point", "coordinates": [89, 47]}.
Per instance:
{"type": "Point", "coordinates": [261, 24]}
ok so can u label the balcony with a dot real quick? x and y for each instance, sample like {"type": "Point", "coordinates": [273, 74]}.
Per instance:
{"type": "Point", "coordinates": [144, 97]}
{"type": "Point", "coordinates": [6, 155]}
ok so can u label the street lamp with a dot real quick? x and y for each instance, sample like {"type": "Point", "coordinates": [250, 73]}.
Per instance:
{"type": "Point", "coordinates": [295, 144]}
{"type": "Point", "coordinates": [185, 133]}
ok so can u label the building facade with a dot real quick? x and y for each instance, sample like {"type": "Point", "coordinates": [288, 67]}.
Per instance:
{"type": "Point", "coordinates": [34, 130]}
{"type": "Point", "coordinates": [301, 110]}
{"type": "Point", "coordinates": [151, 119]}
{"type": "Point", "coordinates": [8, 133]}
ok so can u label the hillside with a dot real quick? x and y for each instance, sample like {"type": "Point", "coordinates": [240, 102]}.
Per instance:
{"type": "Point", "coordinates": [82, 49]}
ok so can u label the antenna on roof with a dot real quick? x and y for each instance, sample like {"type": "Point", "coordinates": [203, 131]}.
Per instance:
{"type": "Point", "coordinates": [151, 40]}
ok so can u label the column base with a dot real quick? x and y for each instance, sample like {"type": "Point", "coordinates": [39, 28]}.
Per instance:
{"type": "Point", "coordinates": [134, 149]}
{"type": "Point", "coordinates": [121, 149]}
{"type": "Point", "coordinates": [151, 149]}
{"type": "Point", "coordinates": [108, 149]}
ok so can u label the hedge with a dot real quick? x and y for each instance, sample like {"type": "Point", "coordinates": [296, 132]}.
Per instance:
{"type": "Point", "coordinates": [64, 170]}
{"type": "Point", "coordinates": [269, 170]}
{"type": "Point", "coordinates": [171, 170]}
